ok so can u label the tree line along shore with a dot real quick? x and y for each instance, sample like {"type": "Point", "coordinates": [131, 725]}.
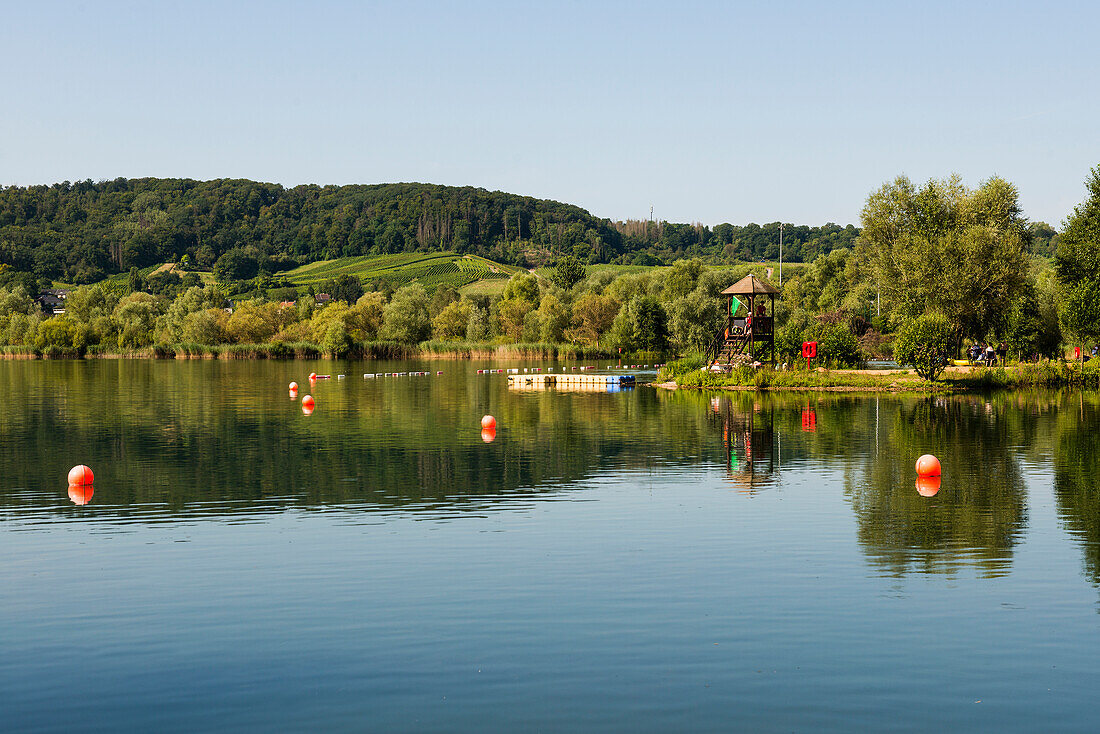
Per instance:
{"type": "Point", "coordinates": [932, 268]}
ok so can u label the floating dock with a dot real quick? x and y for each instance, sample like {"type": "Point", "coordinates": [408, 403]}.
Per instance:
{"type": "Point", "coordinates": [596, 382]}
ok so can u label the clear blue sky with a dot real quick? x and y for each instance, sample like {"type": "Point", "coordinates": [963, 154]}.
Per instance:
{"type": "Point", "coordinates": [707, 111]}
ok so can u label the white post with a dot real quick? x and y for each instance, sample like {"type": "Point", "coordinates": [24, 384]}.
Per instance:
{"type": "Point", "coordinates": [781, 253]}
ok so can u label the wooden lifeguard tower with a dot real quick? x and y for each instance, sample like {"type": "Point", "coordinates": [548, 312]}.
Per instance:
{"type": "Point", "coordinates": [752, 333]}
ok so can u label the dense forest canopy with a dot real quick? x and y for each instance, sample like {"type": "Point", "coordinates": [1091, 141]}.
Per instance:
{"type": "Point", "coordinates": [81, 232]}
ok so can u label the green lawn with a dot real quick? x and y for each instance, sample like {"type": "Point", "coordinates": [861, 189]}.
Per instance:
{"type": "Point", "coordinates": [487, 287]}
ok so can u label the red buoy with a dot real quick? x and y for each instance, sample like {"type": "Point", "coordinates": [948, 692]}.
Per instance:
{"type": "Point", "coordinates": [80, 475]}
{"type": "Point", "coordinates": [928, 466]}
{"type": "Point", "coordinates": [293, 386]}
{"type": "Point", "coordinates": [488, 422]}
{"type": "Point", "coordinates": [308, 402]}
{"type": "Point", "coordinates": [313, 375]}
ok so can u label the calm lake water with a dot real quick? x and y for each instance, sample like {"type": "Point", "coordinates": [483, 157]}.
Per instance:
{"type": "Point", "coordinates": [635, 561]}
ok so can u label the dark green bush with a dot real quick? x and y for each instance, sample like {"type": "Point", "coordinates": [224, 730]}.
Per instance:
{"type": "Point", "coordinates": [925, 343]}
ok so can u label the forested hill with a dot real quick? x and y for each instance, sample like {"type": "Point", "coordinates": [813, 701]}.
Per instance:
{"type": "Point", "coordinates": [81, 232]}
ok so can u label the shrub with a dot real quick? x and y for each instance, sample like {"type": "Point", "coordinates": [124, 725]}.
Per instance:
{"type": "Point", "coordinates": [679, 367]}
{"type": "Point", "coordinates": [988, 378]}
{"type": "Point", "coordinates": [875, 345]}
{"type": "Point", "coordinates": [279, 350]}
{"type": "Point", "coordinates": [836, 345]}
{"type": "Point", "coordinates": [925, 343]}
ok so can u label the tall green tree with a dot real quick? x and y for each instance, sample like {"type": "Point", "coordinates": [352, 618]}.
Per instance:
{"type": "Point", "coordinates": [405, 318]}
{"type": "Point", "coordinates": [452, 320]}
{"type": "Point", "coordinates": [346, 288]}
{"type": "Point", "coordinates": [1077, 264]}
{"type": "Point", "coordinates": [694, 321]}
{"type": "Point", "coordinates": [641, 324]}
{"type": "Point", "coordinates": [236, 264]}
{"type": "Point", "coordinates": [568, 271]}
{"type": "Point", "coordinates": [593, 314]}
{"type": "Point", "coordinates": [523, 286]}
{"type": "Point", "coordinates": [943, 247]}
{"type": "Point", "coordinates": [135, 281]}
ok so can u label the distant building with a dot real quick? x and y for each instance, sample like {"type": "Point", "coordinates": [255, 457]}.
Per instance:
{"type": "Point", "coordinates": [322, 298]}
{"type": "Point", "coordinates": [52, 301]}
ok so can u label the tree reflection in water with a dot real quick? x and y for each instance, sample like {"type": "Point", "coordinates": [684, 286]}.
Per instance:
{"type": "Point", "coordinates": [1077, 475]}
{"type": "Point", "coordinates": [186, 440]}
{"type": "Point", "coordinates": [873, 442]}
{"type": "Point", "coordinates": [977, 515]}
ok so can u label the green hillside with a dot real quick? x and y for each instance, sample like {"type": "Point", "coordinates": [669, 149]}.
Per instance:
{"type": "Point", "coordinates": [431, 270]}
{"type": "Point", "coordinates": [789, 269]}
{"type": "Point", "coordinates": [86, 231]}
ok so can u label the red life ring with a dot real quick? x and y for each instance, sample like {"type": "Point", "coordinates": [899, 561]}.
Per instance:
{"type": "Point", "coordinates": [809, 350]}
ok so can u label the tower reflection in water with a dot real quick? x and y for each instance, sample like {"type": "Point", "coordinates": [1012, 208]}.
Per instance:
{"type": "Point", "coordinates": [750, 441]}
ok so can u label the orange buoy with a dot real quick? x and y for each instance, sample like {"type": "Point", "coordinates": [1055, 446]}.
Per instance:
{"type": "Point", "coordinates": [928, 466]}
{"type": "Point", "coordinates": [313, 375]}
{"type": "Point", "coordinates": [928, 486]}
{"type": "Point", "coordinates": [81, 494]}
{"type": "Point", "coordinates": [80, 475]}
{"type": "Point", "coordinates": [307, 401]}
{"type": "Point", "coordinates": [488, 434]}
{"type": "Point", "coordinates": [489, 423]}
{"type": "Point", "coordinates": [293, 386]}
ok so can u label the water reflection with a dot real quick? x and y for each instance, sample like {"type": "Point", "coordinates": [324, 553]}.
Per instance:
{"type": "Point", "coordinates": [182, 440]}
{"type": "Point", "coordinates": [81, 494]}
{"type": "Point", "coordinates": [974, 515]}
{"type": "Point", "coordinates": [382, 561]}
{"type": "Point", "coordinates": [748, 439]}
{"type": "Point", "coordinates": [213, 438]}
{"type": "Point", "coordinates": [979, 514]}
{"type": "Point", "coordinates": [1077, 476]}
{"type": "Point", "coordinates": [928, 486]}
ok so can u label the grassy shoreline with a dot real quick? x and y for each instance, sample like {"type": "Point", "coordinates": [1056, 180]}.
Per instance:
{"type": "Point", "coordinates": [681, 374]}
{"type": "Point", "coordinates": [1046, 374]}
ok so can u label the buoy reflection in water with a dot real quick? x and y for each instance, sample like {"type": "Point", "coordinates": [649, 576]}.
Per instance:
{"type": "Point", "coordinates": [928, 486]}
{"type": "Point", "coordinates": [81, 494]}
